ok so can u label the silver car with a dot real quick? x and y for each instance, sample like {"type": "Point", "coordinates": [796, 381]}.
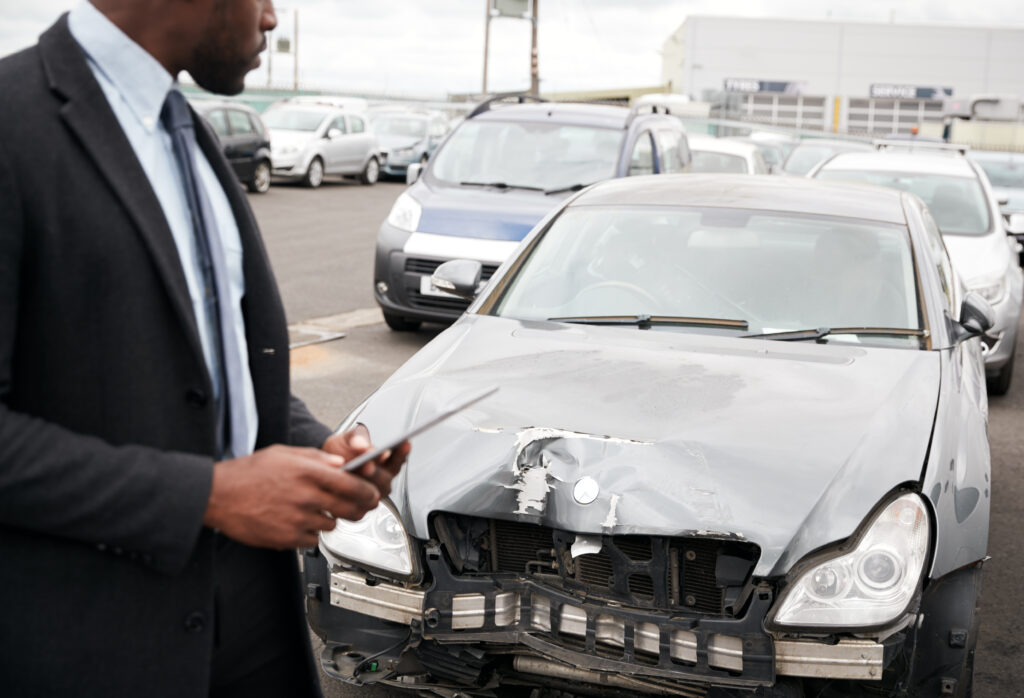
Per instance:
{"type": "Point", "coordinates": [311, 140]}
{"type": "Point", "coordinates": [961, 203]}
{"type": "Point", "coordinates": [739, 444]}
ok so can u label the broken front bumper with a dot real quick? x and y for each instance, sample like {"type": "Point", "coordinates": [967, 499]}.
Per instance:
{"type": "Point", "coordinates": [545, 632]}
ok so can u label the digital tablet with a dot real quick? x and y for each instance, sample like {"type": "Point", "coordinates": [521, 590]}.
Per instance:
{"type": "Point", "coordinates": [362, 460]}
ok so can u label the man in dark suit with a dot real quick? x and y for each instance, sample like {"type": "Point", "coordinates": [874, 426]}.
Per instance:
{"type": "Point", "coordinates": [156, 474]}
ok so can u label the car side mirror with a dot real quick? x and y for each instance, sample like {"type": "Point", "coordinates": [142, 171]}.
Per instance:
{"type": "Point", "coordinates": [1003, 201]}
{"type": "Point", "coordinates": [1015, 224]}
{"type": "Point", "coordinates": [460, 277]}
{"type": "Point", "coordinates": [413, 173]}
{"type": "Point", "coordinates": [976, 316]}
{"type": "Point", "coordinates": [334, 133]}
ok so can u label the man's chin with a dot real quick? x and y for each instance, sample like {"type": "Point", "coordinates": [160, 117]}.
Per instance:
{"type": "Point", "coordinates": [220, 84]}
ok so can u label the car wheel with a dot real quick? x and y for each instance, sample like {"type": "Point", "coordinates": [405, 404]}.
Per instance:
{"type": "Point", "coordinates": [400, 324]}
{"type": "Point", "coordinates": [999, 384]}
{"type": "Point", "coordinates": [314, 173]}
{"type": "Point", "coordinates": [260, 182]}
{"type": "Point", "coordinates": [371, 173]}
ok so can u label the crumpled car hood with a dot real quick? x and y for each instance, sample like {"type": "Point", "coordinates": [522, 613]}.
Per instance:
{"type": "Point", "coordinates": [787, 445]}
{"type": "Point", "coordinates": [979, 257]}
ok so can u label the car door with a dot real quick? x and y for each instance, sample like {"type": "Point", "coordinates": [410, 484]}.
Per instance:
{"type": "Point", "coordinates": [641, 156]}
{"type": "Point", "coordinates": [362, 143]}
{"type": "Point", "coordinates": [335, 146]}
{"type": "Point", "coordinates": [243, 144]}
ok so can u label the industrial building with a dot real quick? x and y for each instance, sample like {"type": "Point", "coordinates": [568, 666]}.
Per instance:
{"type": "Point", "coordinates": [855, 77]}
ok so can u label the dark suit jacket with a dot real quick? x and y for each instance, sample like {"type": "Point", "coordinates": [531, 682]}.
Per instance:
{"type": "Point", "coordinates": [106, 428]}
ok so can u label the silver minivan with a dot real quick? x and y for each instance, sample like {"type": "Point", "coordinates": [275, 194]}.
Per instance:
{"type": "Point", "coordinates": [310, 140]}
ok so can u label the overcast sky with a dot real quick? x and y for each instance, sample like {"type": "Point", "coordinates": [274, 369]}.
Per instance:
{"type": "Point", "coordinates": [434, 47]}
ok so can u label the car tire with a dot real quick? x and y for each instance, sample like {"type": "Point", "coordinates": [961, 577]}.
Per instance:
{"type": "Point", "coordinates": [314, 176]}
{"type": "Point", "coordinates": [371, 173]}
{"type": "Point", "coordinates": [999, 384]}
{"type": "Point", "coordinates": [400, 324]}
{"type": "Point", "coordinates": [260, 181]}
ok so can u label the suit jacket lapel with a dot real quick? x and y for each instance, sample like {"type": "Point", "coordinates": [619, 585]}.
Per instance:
{"type": "Point", "coordinates": [88, 114]}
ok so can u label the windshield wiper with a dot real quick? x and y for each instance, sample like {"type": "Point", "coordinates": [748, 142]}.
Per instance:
{"type": "Point", "coordinates": [500, 185]}
{"type": "Point", "coordinates": [561, 190]}
{"type": "Point", "coordinates": [646, 321]}
{"type": "Point", "coordinates": [817, 334]}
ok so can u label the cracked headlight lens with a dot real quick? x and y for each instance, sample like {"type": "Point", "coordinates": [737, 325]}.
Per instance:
{"type": "Point", "coordinates": [405, 214]}
{"type": "Point", "coordinates": [869, 586]}
{"type": "Point", "coordinates": [377, 541]}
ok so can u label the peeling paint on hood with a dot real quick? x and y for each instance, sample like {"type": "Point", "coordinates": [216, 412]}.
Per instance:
{"type": "Point", "coordinates": [786, 445]}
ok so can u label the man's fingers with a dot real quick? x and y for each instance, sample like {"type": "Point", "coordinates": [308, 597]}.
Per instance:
{"type": "Point", "coordinates": [345, 485]}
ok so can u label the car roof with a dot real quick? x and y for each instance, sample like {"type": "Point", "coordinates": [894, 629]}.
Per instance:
{"type": "Point", "coordinates": [995, 156]}
{"type": "Point", "coordinates": [834, 142]}
{"type": "Point", "coordinates": [721, 145]}
{"type": "Point", "coordinates": [939, 163]}
{"type": "Point", "coordinates": [205, 105]}
{"type": "Point", "coordinates": [756, 192]}
{"type": "Point", "coordinates": [600, 115]}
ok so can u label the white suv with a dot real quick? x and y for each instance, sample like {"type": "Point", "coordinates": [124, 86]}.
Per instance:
{"type": "Point", "coordinates": [965, 210]}
{"type": "Point", "coordinates": [311, 140]}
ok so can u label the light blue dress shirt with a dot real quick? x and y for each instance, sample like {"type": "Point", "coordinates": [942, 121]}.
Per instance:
{"type": "Point", "coordinates": [136, 85]}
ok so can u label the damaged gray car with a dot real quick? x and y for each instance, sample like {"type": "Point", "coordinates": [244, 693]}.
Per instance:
{"type": "Point", "coordinates": [739, 448]}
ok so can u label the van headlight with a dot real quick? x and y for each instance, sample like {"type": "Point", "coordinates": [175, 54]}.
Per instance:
{"type": "Point", "coordinates": [871, 585]}
{"type": "Point", "coordinates": [405, 214]}
{"type": "Point", "coordinates": [377, 542]}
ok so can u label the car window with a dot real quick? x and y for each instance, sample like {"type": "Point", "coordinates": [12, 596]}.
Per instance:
{"type": "Point", "coordinates": [1007, 173]}
{"type": "Point", "coordinates": [239, 121]}
{"type": "Point", "coordinates": [669, 143]}
{"type": "Point", "coordinates": [958, 203]}
{"type": "Point", "coordinates": [641, 162]}
{"type": "Point", "coordinates": [339, 124]}
{"type": "Point", "coordinates": [707, 161]}
{"type": "Point", "coordinates": [438, 128]}
{"type": "Point", "coordinates": [407, 126]}
{"type": "Point", "coordinates": [357, 124]}
{"type": "Point", "coordinates": [940, 256]}
{"type": "Point", "coordinates": [760, 166]}
{"type": "Point", "coordinates": [290, 119]}
{"type": "Point", "coordinates": [776, 271]}
{"type": "Point", "coordinates": [545, 155]}
{"type": "Point", "coordinates": [805, 156]}
{"type": "Point", "coordinates": [218, 121]}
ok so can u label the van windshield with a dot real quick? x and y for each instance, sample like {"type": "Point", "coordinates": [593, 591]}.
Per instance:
{"type": "Point", "coordinates": [526, 154]}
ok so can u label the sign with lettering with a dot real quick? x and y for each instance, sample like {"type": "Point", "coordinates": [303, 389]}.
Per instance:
{"type": "Point", "coordinates": [788, 87]}
{"type": "Point", "coordinates": [888, 91]}
{"type": "Point", "coordinates": [511, 8]}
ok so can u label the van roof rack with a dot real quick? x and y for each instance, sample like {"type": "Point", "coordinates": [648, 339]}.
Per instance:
{"type": "Point", "coordinates": [513, 97]}
{"type": "Point", "coordinates": [913, 144]}
{"type": "Point", "coordinates": [638, 110]}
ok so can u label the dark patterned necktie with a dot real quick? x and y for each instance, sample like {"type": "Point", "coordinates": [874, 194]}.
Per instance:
{"type": "Point", "coordinates": [233, 428]}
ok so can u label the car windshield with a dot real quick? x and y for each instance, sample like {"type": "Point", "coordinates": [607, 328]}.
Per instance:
{"type": "Point", "coordinates": [1007, 173]}
{"type": "Point", "coordinates": [707, 161]}
{"type": "Point", "coordinates": [400, 126]}
{"type": "Point", "coordinates": [805, 156]}
{"type": "Point", "coordinates": [293, 119]}
{"type": "Point", "coordinates": [543, 155]}
{"type": "Point", "coordinates": [738, 271]}
{"type": "Point", "coordinates": [958, 203]}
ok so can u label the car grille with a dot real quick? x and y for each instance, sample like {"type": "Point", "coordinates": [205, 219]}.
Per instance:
{"type": "Point", "coordinates": [645, 571]}
{"type": "Point", "coordinates": [427, 266]}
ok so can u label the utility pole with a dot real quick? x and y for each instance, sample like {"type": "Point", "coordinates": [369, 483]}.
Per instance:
{"type": "Point", "coordinates": [295, 49]}
{"type": "Point", "coordinates": [270, 56]}
{"type": "Point", "coordinates": [487, 40]}
{"type": "Point", "coordinates": [534, 70]}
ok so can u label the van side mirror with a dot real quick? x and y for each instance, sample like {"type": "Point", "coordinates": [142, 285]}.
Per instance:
{"type": "Point", "coordinates": [976, 317]}
{"type": "Point", "coordinates": [460, 277]}
{"type": "Point", "coordinates": [1015, 224]}
{"type": "Point", "coordinates": [413, 173]}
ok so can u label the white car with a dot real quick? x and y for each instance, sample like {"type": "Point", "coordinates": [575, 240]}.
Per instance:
{"type": "Point", "coordinates": [724, 155]}
{"type": "Point", "coordinates": [965, 210]}
{"type": "Point", "coordinates": [310, 140]}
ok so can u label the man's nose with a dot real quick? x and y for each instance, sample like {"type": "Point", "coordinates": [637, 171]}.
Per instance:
{"type": "Point", "coordinates": [268, 19]}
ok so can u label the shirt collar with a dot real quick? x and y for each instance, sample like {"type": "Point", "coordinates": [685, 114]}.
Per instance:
{"type": "Point", "coordinates": [139, 79]}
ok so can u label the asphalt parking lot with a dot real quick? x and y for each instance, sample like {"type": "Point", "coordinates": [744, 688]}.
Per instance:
{"type": "Point", "coordinates": [321, 244]}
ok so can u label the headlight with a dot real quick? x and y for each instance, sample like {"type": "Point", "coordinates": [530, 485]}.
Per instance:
{"type": "Point", "coordinates": [991, 290]}
{"type": "Point", "coordinates": [405, 214]}
{"type": "Point", "coordinates": [377, 541]}
{"type": "Point", "coordinates": [869, 586]}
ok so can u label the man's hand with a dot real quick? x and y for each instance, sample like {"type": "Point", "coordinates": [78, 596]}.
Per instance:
{"type": "Point", "coordinates": [282, 497]}
{"type": "Point", "coordinates": [380, 472]}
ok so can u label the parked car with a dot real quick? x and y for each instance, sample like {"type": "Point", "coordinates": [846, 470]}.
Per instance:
{"type": "Point", "coordinates": [963, 207]}
{"type": "Point", "coordinates": [1005, 173]}
{"type": "Point", "coordinates": [497, 174]}
{"type": "Point", "coordinates": [725, 155]}
{"type": "Point", "coordinates": [739, 444]}
{"type": "Point", "coordinates": [244, 138]}
{"type": "Point", "coordinates": [772, 152]}
{"type": "Point", "coordinates": [813, 151]}
{"type": "Point", "coordinates": [407, 136]}
{"type": "Point", "coordinates": [311, 140]}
